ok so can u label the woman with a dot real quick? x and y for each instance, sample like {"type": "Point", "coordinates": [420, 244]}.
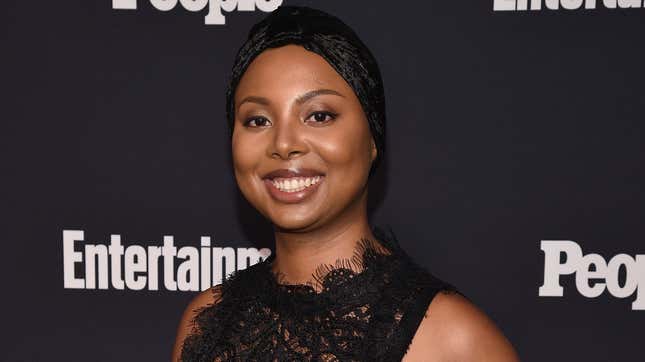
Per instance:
{"type": "Point", "coordinates": [306, 108]}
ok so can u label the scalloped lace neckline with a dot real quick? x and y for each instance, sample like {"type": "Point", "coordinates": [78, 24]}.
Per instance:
{"type": "Point", "coordinates": [328, 277]}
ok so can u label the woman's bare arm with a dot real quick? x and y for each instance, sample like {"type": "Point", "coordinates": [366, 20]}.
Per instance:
{"type": "Point", "coordinates": [456, 330]}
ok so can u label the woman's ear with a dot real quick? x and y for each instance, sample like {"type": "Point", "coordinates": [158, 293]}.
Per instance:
{"type": "Point", "coordinates": [373, 150]}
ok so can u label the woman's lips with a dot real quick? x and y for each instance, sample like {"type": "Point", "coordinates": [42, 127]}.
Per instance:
{"type": "Point", "coordinates": [292, 185]}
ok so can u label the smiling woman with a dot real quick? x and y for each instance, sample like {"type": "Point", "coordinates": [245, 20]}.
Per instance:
{"type": "Point", "coordinates": [309, 125]}
{"type": "Point", "coordinates": [307, 114]}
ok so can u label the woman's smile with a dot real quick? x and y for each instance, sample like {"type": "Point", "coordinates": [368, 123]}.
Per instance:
{"type": "Point", "coordinates": [292, 185]}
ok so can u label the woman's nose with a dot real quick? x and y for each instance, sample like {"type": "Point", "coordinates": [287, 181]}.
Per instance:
{"type": "Point", "coordinates": [287, 139]}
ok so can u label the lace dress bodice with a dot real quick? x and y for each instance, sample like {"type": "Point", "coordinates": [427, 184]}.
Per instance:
{"type": "Point", "coordinates": [366, 308]}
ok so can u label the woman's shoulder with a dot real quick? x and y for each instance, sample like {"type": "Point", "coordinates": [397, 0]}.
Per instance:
{"type": "Point", "coordinates": [454, 329]}
{"type": "Point", "coordinates": [204, 299]}
{"type": "Point", "coordinates": [187, 326]}
{"type": "Point", "coordinates": [236, 288]}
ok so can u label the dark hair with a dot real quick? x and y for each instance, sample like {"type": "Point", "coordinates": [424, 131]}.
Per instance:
{"type": "Point", "coordinates": [333, 40]}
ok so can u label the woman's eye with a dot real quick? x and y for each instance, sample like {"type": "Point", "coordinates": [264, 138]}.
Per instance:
{"type": "Point", "coordinates": [256, 122]}
{"type": "Point", "coordinates": [322, 117]}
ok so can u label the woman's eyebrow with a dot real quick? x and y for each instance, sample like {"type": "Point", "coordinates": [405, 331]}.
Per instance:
{"type": "Point", "coordinates": [254, 99]}
{"type": "Point", "coordinates": [314, 93]}
{"type": "Point", "coordinates": [300, 100]}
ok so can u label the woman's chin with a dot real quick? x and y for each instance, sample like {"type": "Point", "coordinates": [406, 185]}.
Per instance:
{"type": "Point", "coordinates": [294, 223]}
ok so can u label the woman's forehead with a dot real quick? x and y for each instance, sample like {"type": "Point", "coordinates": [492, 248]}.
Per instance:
{"type": "Point", "coordinates": [289, 69]}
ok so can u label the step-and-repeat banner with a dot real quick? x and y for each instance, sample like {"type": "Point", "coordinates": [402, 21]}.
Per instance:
{"type": "Point", "coordinates": [515, 167]}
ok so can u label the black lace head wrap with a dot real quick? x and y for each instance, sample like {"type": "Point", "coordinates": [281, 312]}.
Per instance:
{"type": "Point", "coordinates": [333, 40]}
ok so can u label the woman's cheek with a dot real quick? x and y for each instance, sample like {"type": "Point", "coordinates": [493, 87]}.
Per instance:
{"type": "Point", "coordinates": [344, 148]}
{"type": "Point", "coordinates": [242, 161]}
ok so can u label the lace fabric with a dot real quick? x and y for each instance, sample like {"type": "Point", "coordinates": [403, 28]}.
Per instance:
{"type": "Point", "coordinates": [365, 308]}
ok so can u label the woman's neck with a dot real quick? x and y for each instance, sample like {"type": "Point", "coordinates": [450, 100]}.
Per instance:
{"type": "Point", "coordinates": [298, 254]}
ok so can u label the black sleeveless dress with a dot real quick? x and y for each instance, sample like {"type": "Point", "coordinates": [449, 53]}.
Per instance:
{"type": "Point", "coordinates": [368, 309]}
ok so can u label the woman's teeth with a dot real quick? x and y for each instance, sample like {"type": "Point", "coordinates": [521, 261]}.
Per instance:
{"type": "Point", "coordinates": [294, 184]}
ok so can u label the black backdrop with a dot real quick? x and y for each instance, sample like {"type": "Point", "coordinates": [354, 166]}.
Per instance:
{"type": "Point", "coordinates": [506, 128]}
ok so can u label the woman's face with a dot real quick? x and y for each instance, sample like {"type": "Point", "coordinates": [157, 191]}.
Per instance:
{"type": "Point", "coordinates": [301, 146]}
